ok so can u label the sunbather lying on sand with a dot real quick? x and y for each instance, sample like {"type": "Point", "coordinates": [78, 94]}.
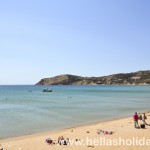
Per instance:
{"type": "Point", "coordinates": [104, 132]}
{"type": "Point", "coordinates": [50, 141]}
{"type": "Point", "coordinates": [60, 141]}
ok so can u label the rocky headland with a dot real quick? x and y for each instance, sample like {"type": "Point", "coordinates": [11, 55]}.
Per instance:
{"type": "Point", "coordinates": [133, 78]}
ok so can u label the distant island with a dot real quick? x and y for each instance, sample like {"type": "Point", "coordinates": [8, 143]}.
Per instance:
{"type": "Point", "coordinates": [134, 78]}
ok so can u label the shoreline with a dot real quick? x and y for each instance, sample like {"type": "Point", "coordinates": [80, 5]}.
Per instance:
{"type": "Point", "coordinates": [70, 128]}
{"type": "Point", "coordinates": [121, 128]}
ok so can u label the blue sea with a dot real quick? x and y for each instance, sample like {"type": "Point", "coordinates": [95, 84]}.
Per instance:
{"type": "Point", "coordinates": [25, 109]}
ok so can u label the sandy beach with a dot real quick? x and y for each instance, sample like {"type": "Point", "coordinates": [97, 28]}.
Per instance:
{"type": "Point", "coordinates": [124, 136]}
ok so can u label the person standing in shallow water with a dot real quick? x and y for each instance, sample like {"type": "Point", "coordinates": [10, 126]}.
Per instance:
{"type": "Point", "coordinates": [135, 117]}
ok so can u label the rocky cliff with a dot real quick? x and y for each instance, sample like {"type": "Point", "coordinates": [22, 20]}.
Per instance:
{"type": "Point", "coordinates": [134, 78]}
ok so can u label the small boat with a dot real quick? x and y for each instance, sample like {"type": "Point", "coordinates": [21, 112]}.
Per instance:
{"type": "Point", "coordinates": [47, 90]}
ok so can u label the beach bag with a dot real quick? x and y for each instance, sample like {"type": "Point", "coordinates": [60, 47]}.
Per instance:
{"type": "Point", "coordinates": [143, 126]}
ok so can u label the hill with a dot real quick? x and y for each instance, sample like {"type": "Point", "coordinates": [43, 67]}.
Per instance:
{"type": "Point", "coordinates": [134, 78]}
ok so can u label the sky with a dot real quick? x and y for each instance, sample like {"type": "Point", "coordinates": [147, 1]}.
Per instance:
{"type": "Point", "coordinates": [44, 38]}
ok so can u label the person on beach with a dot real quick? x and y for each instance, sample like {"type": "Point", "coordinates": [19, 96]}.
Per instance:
{"type": "Point", "coordinates": [62, 141]}
{"type": "Point", "coordinates": [144, 118]}
{"type": "Point", "coordinates": [139, 117]}
{"type": "Point", "coordinates": [50, 141]}
{"type": "Point", "coordinates": [135, 117]}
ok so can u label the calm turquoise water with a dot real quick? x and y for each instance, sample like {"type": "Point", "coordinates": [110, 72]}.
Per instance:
{"type": "Point", "coordinates": [23, 112]}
